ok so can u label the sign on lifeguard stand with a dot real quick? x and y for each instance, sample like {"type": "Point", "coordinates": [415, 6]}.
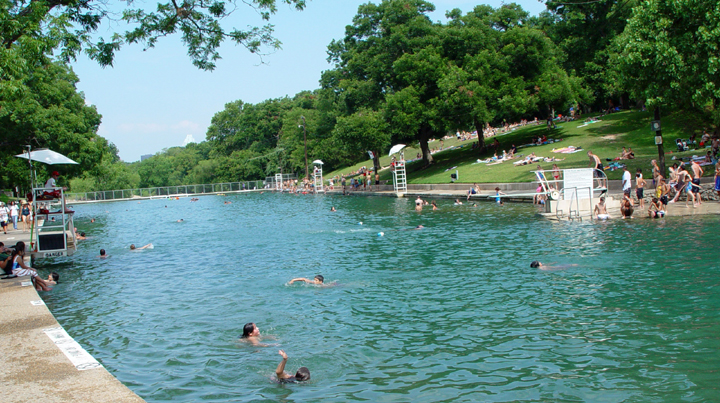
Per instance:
{"type": "Point", "coordinates": [578, 181]}
{"type": "Point", "coordinates": [317, 176]}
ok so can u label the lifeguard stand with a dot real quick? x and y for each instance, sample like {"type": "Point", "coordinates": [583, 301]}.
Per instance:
{"type": "Point", "coordinates": [398, 170]}
{"type": "Point", "coordinates": [279, 182]}
{"type": "Point", "coordinates": [574, 196]}
{"type": "Point", "coordinates": [318, 176]}
{"type": "Point", "coordinates": [53, 230]}
{"type": "Point", "coordinates": [400, 177]}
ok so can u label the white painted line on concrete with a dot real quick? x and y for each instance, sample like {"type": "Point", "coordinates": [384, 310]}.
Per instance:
{"type": "Point", "coordinates": [25, 283]}
{"type": "Point", "coordinates": [80, 358]}
{"type": "Point", "coordinates": [38, 302]}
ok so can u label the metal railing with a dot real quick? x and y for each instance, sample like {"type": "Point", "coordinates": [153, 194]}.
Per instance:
{"type": "Point", "coordinates": [165, 191]}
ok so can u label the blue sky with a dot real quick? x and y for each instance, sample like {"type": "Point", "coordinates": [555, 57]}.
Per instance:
{"type": "Point", "coordinates": [154, 99]}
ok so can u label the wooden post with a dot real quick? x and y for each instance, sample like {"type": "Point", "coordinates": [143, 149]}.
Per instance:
{"type": "Point", "coordinates": [661, 146]}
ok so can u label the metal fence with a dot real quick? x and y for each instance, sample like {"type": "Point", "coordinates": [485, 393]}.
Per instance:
{"type": "Point", "coordinates": [166, 191]}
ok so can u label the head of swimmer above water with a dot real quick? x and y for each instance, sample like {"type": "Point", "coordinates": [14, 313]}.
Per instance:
{"type": "Point", "coordinates": [302, 374]}
{"type": "Point", "coordinates": [250, 330]}
{"type": "Point", "coordinates": [535, 264]}
{"type": "Point", "coordinates": [319, 279]}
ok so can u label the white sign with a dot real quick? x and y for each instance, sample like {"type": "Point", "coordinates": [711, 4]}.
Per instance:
{"type": "Point", "coordinates": [80, 358]}
{"type": "Point", "coordinates": [52, 254]}
{"type": "Point", "coordinates": [578, 180]}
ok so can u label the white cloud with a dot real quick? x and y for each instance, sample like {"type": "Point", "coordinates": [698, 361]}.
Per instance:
{"type": "Point", "coordinates": [189, 139]}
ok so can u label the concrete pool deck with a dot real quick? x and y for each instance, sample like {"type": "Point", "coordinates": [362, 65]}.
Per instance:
{"type": "Point", "coordinates": [33, 366]}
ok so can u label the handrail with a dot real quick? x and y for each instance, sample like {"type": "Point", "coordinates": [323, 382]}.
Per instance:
{"type": "Point", "coordinates": [164, 191]}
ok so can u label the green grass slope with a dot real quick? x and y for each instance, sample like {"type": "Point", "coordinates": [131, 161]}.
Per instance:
{"type": "Point", "coordinates": [605, 138]}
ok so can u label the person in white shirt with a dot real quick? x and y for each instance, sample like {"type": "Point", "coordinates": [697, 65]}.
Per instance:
{"type": "Point", "coordinates": [14, 214]}
{"type": "Point", "coordinates": [626, 182]}
{"type": "Point", "coordinates": [3, 217]}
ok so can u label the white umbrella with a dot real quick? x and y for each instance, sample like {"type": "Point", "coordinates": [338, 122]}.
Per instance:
{"type": "Point", "coordinates": [46, 156]}
{"type": "Point", "coordinates": [396, 148]}
{"type": "Point", "coordinates": [318, 162]}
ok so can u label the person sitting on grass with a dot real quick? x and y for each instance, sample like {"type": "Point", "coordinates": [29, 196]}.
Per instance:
{"type": "Point", "coordinates": [302, 374]}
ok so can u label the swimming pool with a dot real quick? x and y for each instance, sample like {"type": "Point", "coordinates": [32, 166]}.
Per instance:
{"type": "Point", "coordinates": [452, 312]}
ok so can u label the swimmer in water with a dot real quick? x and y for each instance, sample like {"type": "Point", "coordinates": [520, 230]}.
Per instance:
{"type": "Point", "coordinates": [180, 220]}
{"type": "Point", "coordinates": [132, 247]}
{"type": "Point", "coordinates": [319, 280]}
{"type": "Point", "coordinates": [332, 208]}
{"type": "Point", "coordinates": [251, 334]}
{"type": "Point", "coordinates": [53, 278]}
{"type": "Point", "coordinates": [537, 265]}
{"type": "Point", "coordinates": [102, 254]}
{"type": "Point", "coordinates": [302, 374]}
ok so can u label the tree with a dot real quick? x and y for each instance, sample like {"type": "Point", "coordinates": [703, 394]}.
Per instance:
{"type": "Point", "coordinates": [376, 62]}
{"type": "Point", "coordinates": [362, 131]}
{"type": "Point", "coordinates": [668, 55]}
{"type": "Point", "coordinates": [585, 31]}
{"type": "Point", "coordinates": [33, 28]}
{"type": "Point", "coordinates": [503, 68]}
{"type": "Point", "coordinates": [49, 113]}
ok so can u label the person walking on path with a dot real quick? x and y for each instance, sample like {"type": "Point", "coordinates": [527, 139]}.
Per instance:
{"type": "Point", "coordinates": [3, 217]}
{"type": "Point", "coordinates": [14, 214]}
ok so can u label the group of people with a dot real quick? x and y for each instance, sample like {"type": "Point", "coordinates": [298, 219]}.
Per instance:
{"type": "Point", "coordinates": [251, 334]}
{"type": "Point", "coordinates": [12, 261]}
{"type": "Point", "coordinates": [13, 213]}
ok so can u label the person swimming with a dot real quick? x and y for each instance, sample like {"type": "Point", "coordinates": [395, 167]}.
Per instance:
{"type": "Point", "coordinates": [319, 279]}
{"type": "Point", "coordinates": [538, 265]}
{"type": "Point", "coordinates": [251, 334]}
{"type": "Point", "coordinates": [302, 374]}
{"type": "Point", "coordinates": [132, 247]}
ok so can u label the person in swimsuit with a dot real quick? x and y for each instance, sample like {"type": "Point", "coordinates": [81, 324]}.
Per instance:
{"type": "Point", "coordinates": [556, 172]}
{"type": "Point", "coordinates": [302, 374]}
{"type": "Point", "coordinates": [640, 188]}
{"type": "Point", "coordinates": [717, 178]}
{"type": "Point", "coordinates": [498, 193]}
{"type": "Point", "coordinates": [434, 205]}
{"type": "Point", "coordinates": [251, 334]}
{"type": "Point", "coordinates": [319, 280]}
{"type": "Point", "coordinates": [132, 247]}
{"type": "Point", "coordinates": [418, 204]}
{"type": "Point", "coordinates": [697, 173]}
{"type": "Point", "coordinates": [601, 210]}
{"type": "Point", "coordinates": [683, 184]}
{"type": "Point", "coordinates": [656, 209]}
{"type": "Point", "coordinates": [25, 216]}
{"type": "Point", "coordinates": [596, 164]}
{"type": "Point", "coordinates": [537, 265]}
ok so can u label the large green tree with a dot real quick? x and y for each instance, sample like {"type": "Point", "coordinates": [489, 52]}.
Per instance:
{"type": "Point", "coordinates": [387, 61]}
{"type": "Point", "coordinates": [669, 54]}
{"type": "Point", "coordinates": [49, 113]}
{"type": "Point", "coordinates": [585, 31]}
{"type": "Point", "coordinates": [31, 28]}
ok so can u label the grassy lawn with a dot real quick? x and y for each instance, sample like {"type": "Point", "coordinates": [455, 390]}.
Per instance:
{"type": "Point", "coordinates": [605, 138]}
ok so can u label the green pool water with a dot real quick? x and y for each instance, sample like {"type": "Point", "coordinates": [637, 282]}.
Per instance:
{"type": "Point", "coordinates": [452, 312]}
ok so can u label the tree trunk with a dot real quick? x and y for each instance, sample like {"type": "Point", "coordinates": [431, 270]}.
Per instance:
{"type": "Point", "coordinates": [425, 133]}
{"type": "Point", "coordinates": [479, 128]}
{"type": "Point", "coordinates": [661, 149]}
{"type": "Point", "coordinates": [376, 161]}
